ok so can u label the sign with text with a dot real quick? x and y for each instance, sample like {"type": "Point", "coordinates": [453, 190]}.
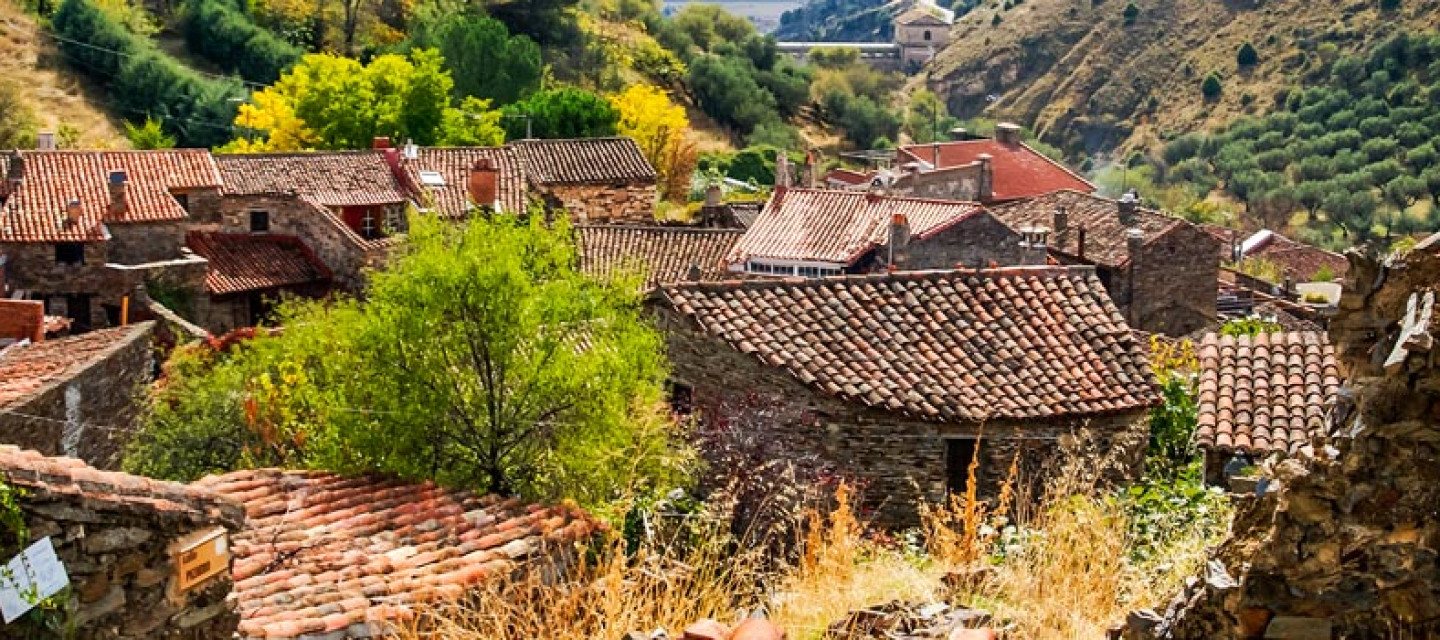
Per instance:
{"type": "Point", "coordinates": [206, 556]}
{"type": "Point", "coordinates": [30, 578]}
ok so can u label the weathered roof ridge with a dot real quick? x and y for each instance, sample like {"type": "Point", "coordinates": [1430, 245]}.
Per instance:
{"type": "Point", "coordinates": [1046, 271]}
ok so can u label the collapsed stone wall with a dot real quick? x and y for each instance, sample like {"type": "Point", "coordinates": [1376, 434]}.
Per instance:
{"type": "Point", "coordinates": [1348, 547]}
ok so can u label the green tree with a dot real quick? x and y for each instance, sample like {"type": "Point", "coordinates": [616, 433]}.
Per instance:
{"type": "Point", "coordinates": [481, 359]}
{"type": "Point", "coordinates": [709, 25]}
{"type": "Point", "coordinates": [562, 113]}
{"type": "Point", "coordinates": [1211, 87]}
{"type": "Point", "coordinates": [225, 36]}
{"type": "Point", "coordinates": [834, 57]}
{"type": "Point", "coordinates": [1131, 13]}
{"type": "Point", "coordinates": [485, 60]}
{"type": "Point", "coordinates": [149, 135]}
{"type": "Point", "coordinates": [1247, 56]}
{"type": "Point", "coordinates": [726, 90]}
{"type": "Point", "coordinates": [928, 119]}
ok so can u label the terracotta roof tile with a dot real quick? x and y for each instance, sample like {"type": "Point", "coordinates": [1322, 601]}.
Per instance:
{"type": "Point", "coordinates": [255, 262]}
{"type": "Point", "coordinates": [350, 556]}
{"type": "Point", "coordinates": [839, 226]}
{"type": "Point", "coordinates": [1017, 343]}
{"type": "Point", "coordinates": [582, 161]}
{"type": "Point", "coordinates": [665, 254]}
{"type": "Point", "coordinates": [1019, 171]}
{"type": "Point", "coordinates": [1105, 240]}
{"type": "Point", "coordinates": [28, 368]}
{"type": "Point", "coordinates": [1300, 261]}
{"type": "Point", "coordinates": [1265, 393]}
{"type": "Point", "coordinates": [329, 178]}
{"type": "Point", "coordinates": [453, 165]}
{"type": "Point", "coordinates": [36, 211]}
{"type": "Point", "coordinates": [47, 478]}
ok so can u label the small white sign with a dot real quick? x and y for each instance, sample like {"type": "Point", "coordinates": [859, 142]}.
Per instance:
{"type": "Point", "coordinates": [29, 578]}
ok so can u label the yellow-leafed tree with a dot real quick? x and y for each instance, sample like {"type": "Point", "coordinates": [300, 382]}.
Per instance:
{"type": "Point", "coordinates": [659, 126]}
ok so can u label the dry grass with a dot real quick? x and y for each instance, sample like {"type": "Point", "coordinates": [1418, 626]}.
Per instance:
{"type": "Point", "coordinates": [57, 95]}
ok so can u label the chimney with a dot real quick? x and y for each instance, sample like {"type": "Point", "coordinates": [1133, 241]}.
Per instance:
{"type": "Point", "coordinates": [1134, 243]}
{"type": "Point", "coordinates": [985, 191]}
{"type": "Point", "coordinates": [935, 154]}
{"type": "Point", "coordinates": [119, 201]}
{"type": "Point", "coordinates": [16, 175]}
{"type": "Point", "coordinates": [1033, 244]}
{"type": "Point", "coordinates": [72, 213]}
{"type": "Point", "coordinates": [1062, 220]}
{"type": "Point", "coordinates": [45, 141]}
{"type": "Point", "coordinates": [23, 319]}
{"type": "Point", "coordinates": [782, 170]}
{"type": "Point", "coordinates": [380, 142]}
{"type": "Point", "coordinates": [713, 195]}
{"type": "Point", "coordinates": [1080, 243]}
{"type": "Point", "coordinates": [899, 238]}
{"type": "Point", "coordinates": [411, 151]}
{"type": "Point", "coordinates": [959, 133]}
{"type": "Point", "coordinates": [483, 184]}
{"type": "Point", "coordinates": [1127, 205]}
{"type": "Point", "coordinates": [1007, 133]}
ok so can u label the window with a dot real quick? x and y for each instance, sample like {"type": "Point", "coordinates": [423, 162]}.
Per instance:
{"type": "Point", "coordinates": [927, 35]}
{"type": "Point", "coordinates": [183, 199]}
{"type": "Point", "coordinates": [817, 272]}
{"type": "Point", "coordinates": [959, 453]}
{"type": "Point", "coordinates": [368, 229]}
{"type": "Point", "coordinates": [259, 222]}
{"type": "Point", "coordinates": [70, 253]}
{"type": "Point", "coordinates": [432, 178]}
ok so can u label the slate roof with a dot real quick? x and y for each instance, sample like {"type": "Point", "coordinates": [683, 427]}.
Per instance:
{"type": "Point", "coordinates": [1105, 236]}
{"type": "Point", "coordinates": [584, 161]}
{"type": "Point", "coordinates": [36, 211]}
{"type": "Point", "coordinates": [329, 178]}
{"type": "Point", "coordinates": [255, 262]}
{"type": "Point", "coordinates": [945, 346]}
{"type": "Point", "coordinates": [664, 253]}
{"type": "Point", "coordinates": [1019, 171]}
{"type": "Point", "coordinates": [330, 556]}
{"type": "Point", "coordinates": [834, 226]}
{"type": "Point", "coordinates": [453, 164]}
{"type": "Point", "coordinates": [27, 369]}
{"type": "Point", "coordinates": [46, 479]}
{"type": "Point", "coordinates": [1265, 393]}
{"type": "Point", "coordinates": [1300, 261]}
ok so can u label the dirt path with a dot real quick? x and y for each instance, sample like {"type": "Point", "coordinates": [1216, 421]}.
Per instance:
{"type": "Point", "coordinates": [57, 95]}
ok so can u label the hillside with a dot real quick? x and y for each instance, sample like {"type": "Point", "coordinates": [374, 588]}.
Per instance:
{"type": "Point", "coordinates": [1085, 80]}
{"type": "Point", "coordinates": [54, 96]}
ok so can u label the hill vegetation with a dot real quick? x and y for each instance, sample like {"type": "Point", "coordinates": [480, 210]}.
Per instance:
{"type": "Point", "coordinates": [38, 92]}
{"type": "Point", "coordinates": [1092, 77]}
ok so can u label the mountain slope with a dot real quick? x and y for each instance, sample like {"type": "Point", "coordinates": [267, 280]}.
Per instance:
{"type": "Point", "coordinates": [1082, 78]}
{"type": "Point", "coordinates": [30, 65]}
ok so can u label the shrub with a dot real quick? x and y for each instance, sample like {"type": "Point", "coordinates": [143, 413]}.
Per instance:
{"type": "Point", "coordinates": [1131, 13]}
{"type": "Point", "coordinates": [1211, 87]}
{"type": "Point", "coordinates": [228, 38]}
{"type": "Point", "coordinates": [1247, 56]}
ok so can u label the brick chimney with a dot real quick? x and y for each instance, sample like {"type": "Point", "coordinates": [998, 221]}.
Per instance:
{"type": "Point", "coordinates": [483, 184]}
{"type": "Point", "coordinates": [15, 176]}
{"type": "Point", "coordinates": [380, 142]}
{"type": "Point", "coordinates": [1062, 220]}
{"type": "Point", "coordinates": [119, 200]}
{"type": "Point", "coordinates": [899, 238]}
{"type": "Point", "coordinates": [810, 172]}
{"type": "Point", "coordinates": [72, 213]}
{"type": "Point", "coordinates": [1127, 205]}
{"type": "Point", "coordinates": [782, 170]}
{"type": "Point", "coordinates": [985, 191]}
{"type": "Point", "coordinates": [1007, 133]}
{"type": "Point", "coordinates": [22, 319]}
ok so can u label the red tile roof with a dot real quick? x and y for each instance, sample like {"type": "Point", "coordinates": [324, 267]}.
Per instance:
{"type": "Point", "coordinates": [26, 369]}
{"type": "Point", "coordinates": [584, 161]}
{"type": "Point", "coordinates": [36, 211]}
{"type": "Point", "coordinates": [328, 554]}
{"type": "Point", "coordinates": [849, 177]}
{"type": "Point", "coordinates": [46, 478]}
{"type": "Point", "coordinates": [1020, 343]}
{"type": "Point", "coordinates": [839, 226]}
{"type": "Point", "coordinates": [1105, 234]}
{"type": "Point", "coordinates": [255, 262]}
{"type": "Point", "coordinates": [663, 253]}
{"type": "Point", "coordinates": [1019, 171]}
{"type": "Point", "coordinates": [1265, 393]}
{"type": "Point", "coordinates": [453, 164]}
{"type": "Point", "coordinates": [330, 178]}
{"type": "Point", "coordinates": [1299, 261]}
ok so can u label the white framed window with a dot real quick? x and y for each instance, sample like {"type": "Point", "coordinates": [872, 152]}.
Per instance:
{"type": "Point", "coordinates": [432, 178]}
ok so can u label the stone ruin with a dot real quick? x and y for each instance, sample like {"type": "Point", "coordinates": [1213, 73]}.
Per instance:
{"type": "Point", "coordinates": [1347, 548]}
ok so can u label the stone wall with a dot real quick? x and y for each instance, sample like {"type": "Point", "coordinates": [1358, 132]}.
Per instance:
{"type": "Point", "coordinates": [975, 241]}
{"type": "Point", "coordinates": [953, 183]}
{"type": "Point", "coordinates": [118, 537]}
{"type": "Point", "coordinates": [346, 254]}
{"type": "Point", "coordinates": [1176, 280]}
{"type": "Point", "coordinates": [1350, 545]}
{"type": "Point", "coordinates": [89, 415]}
{"type": "Point", "coordinates": [899, 461]}
{"type": "Point", "coordinates": [139, 243]}
{"type": "Point", "coordinates": [632, 202]}
{"type": "Point", "coordinates": [33, 268]}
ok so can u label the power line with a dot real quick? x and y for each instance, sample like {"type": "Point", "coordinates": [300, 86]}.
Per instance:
{"type": "Point", "coordinates": [128, 54]}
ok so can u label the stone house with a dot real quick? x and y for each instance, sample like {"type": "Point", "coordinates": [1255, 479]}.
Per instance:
{"type": "Point", "coordinates": [74, 396]}
{"type": "Point", "coordinates": [899, 380]}
{"type": "Point", "coordinates": [662, 254]}
{"type": "Point", "coordinates": [451, 181]}
{"type": "Point", "coordinates": [82, 230]}
{"type": "Point", "coordinates": [1262, 395]}
{"type": "Point", "coordinates": [1161, 271]}
{"type": "Point", "coordinates": [815, 232]}
{"type": "Point", "coordinates": [145, 559]}
{"type": "Point", "coordinates": [335, 557]}
{"type": "Point", "coordinates": [249, 272]}
{"type": "Point", "coordinates": [920, 33]}
{"type": "Point", "coordinates": [596, 179]}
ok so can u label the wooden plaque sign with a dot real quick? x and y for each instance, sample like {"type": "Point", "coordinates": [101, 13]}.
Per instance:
{"type": "Point", "coordinates": [202, 558]}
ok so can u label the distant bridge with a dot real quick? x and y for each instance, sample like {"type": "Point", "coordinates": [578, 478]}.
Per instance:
{"type": "Point", "coordinates": [879, 54]}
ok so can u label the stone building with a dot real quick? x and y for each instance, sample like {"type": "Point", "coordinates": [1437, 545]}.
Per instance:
{"type": "Point", "coordinates": [82, 230]}
{"type": "Point", "coordinates": [131, 548]}
{"type": "Point", "coordinates": [897, 380]}
{"type": "Point", "coordinates": [249, 273]}
{"type": "Point", "coordinates": [814, 232]}
{"type": "Point", "coordinates": [330, 556]}
{"type": "Point", "coordinates": [75, 396]}
{"type": "Point", "coordinates": [1160, 270]}
{"type": "Point", "coordinates": [921, 33]}
{"type": "Point", "coordinates": [451, 181]}
{"type": "Point", "coordinates": [1262, 395]}
{"type": "Point", "coordinates": [661, 254]}
{"type": "Point", "coordinates": [595, 180]}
